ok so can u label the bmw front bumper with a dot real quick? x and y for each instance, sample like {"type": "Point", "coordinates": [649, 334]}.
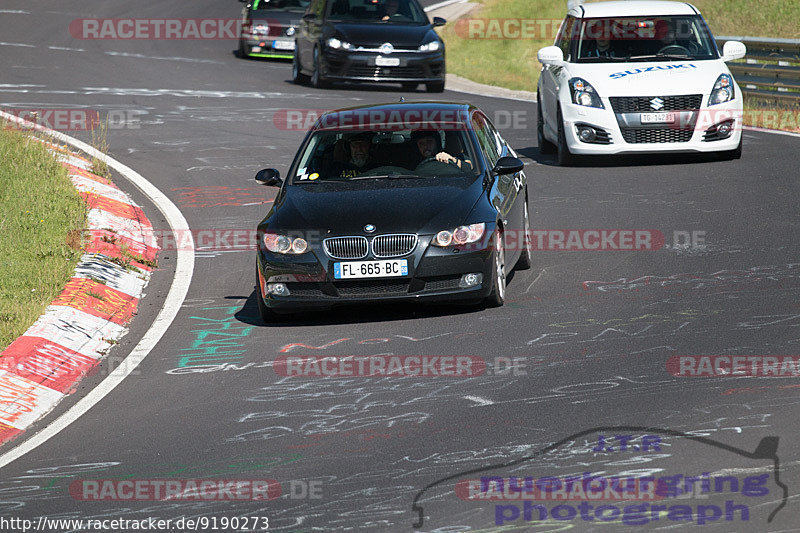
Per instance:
{"type": "Point", "coordinates": [434, 275]}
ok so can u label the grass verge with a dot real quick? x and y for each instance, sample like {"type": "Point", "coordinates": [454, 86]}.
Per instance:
{"type": "Point", "coordinates": [41, 218]}
{"type": "Point", "coordinates": [512, 63]}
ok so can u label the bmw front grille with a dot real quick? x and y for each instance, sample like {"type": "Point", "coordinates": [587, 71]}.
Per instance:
{"type": "Point", "coordinates": [383, 246]}
{"type": "Point", "coordinates": [346, 247]}
{"type": "Point", "coordinates": [394, 245]}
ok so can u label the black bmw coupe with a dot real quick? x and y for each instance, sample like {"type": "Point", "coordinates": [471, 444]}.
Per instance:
{"type": "Point", "coordinates": [409, 201]}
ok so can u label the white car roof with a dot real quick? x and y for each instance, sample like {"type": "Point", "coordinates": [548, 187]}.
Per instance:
{"type": "Point", "coordinates": [632, 8]}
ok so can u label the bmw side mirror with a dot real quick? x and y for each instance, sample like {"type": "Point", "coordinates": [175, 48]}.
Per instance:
{"type": "Point", "coordinates": [438, 21]}
{"type": "Point", "coordinates": [551, 55]}
{"type": "Point", "coordinates": [269, 177]}
{"type": "Point", "coordinates": [733, 50]}
{"type": "Point", "coordinates": [508, 165]}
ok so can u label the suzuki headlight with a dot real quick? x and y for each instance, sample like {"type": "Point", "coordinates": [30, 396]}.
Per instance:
{"type": "Point", "coordinates": [584, 94]}
{"type": "Point", "coordinates": [460, 235]}
{"type": "Point", "coordinates": [282, 244]}
{"type": "Point", "coordinates": [722, 91]}
{"type": "Point", "coordinates": [432, 46]}
{"type": "Point", "coordinates": [338, 44]}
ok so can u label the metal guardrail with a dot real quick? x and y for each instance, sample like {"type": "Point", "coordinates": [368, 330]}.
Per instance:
{"type": "Point", "coordinates": [771, 68]}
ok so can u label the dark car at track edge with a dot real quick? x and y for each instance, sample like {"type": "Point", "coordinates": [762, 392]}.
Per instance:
{"type": "Point", "coordinates": [268, 27]}
{"type": "Point", "coordinates": [396, 202]}
{"type": "Point", "coordinates": [369, 41]}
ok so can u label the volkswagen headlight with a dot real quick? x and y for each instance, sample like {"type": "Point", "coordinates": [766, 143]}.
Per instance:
{"type": "Point", "coordinates": [584, 94]}
{"type": "Point", "coordinates": [432, 46]}
{"type": "Point", "coordinates": [722, 91]}
{"type": "Point", "coordinates": [338, 44]}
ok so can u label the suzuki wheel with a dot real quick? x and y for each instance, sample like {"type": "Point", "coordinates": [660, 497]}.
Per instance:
{"type": "Point", "coordinates": [565, 158]}
{"type": "Point", "coordinates": [545, 146]}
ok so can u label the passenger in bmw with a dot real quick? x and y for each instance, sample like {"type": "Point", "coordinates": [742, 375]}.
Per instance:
{"type": "Point", "coordinates": [358, 157]}
{"type": "Point", "coordinates": [429, 146]}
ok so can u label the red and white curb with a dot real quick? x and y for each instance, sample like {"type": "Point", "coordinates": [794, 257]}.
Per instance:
{"type": "Point", "coordinates": [81, 325]}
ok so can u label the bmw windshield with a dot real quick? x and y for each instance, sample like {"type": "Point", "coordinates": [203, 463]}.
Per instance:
{"type": "Point", "coordinates": [386, 153]}
{"type": "Point", "coordinates": [665, 38]}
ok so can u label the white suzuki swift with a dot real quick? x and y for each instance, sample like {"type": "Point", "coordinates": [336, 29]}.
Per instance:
{"type": "Point", "coordinates": [638, 77]}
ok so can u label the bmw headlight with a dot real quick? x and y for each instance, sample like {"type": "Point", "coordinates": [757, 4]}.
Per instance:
{"type": "Point", "coordinates": [432, 46]}
{"type": "Point", "coordinates": [722, 91]}
{"type": "Point", "coordinates": [584, 94]}
{"type": "Point", "coordinates": [282, 244]}
{"type": "Point", "coordinates": [338, 44]}
{"type": "Point", "coordinates": [459, 235]}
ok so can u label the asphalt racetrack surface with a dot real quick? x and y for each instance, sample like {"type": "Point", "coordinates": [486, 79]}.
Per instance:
{"type": "Point", "coordinates": [577, 377]}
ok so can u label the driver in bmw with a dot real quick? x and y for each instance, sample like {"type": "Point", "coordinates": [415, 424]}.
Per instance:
{"type": "Point", "coordinates": [427, 142]}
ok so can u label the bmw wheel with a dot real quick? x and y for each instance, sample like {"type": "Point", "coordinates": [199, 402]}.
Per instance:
{"type": "Point", "coordinates": [498, 296]}
{"type": "Point", "coordinates": [526, 258]}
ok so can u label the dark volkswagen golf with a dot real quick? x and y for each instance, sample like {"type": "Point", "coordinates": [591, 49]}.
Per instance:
{"type": "Point", "coordinates": [369, 40]}
{"type": "Point", "coordinates": [421, 201]}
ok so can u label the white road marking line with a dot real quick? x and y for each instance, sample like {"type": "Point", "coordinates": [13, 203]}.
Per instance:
{"type": "Point", "coordinates": [443, 4]}
{"type": "Point", "coordinates": [19, 45]}
{"type": "Point", "coordinates": [172, 304]}
{"type": "Point", "coordinates": [67, 48]}
{"type": "Point", "coordinates": [479, 400]}
{"type": "Point", "coordinates": [185, 59]}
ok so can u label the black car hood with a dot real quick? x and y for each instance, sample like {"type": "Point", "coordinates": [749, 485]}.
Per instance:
{"type": "Point", "coordinates": [374, 35]}
{"type": "Point", "coordinates": [392, 206]}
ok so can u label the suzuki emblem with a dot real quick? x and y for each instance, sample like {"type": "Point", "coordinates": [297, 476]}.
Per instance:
{"type": "Point", "coordinates": [656, 103]}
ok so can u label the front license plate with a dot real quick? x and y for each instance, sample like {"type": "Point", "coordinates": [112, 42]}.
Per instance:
{"type": "Point", "coordinates": [371, 269]}
{"type": "Point", "coordinates": [283, 45]}
{"type": "Point", "coordinates": [657, 118]}
{"type": "Point", "coordinates": [387, 61]}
